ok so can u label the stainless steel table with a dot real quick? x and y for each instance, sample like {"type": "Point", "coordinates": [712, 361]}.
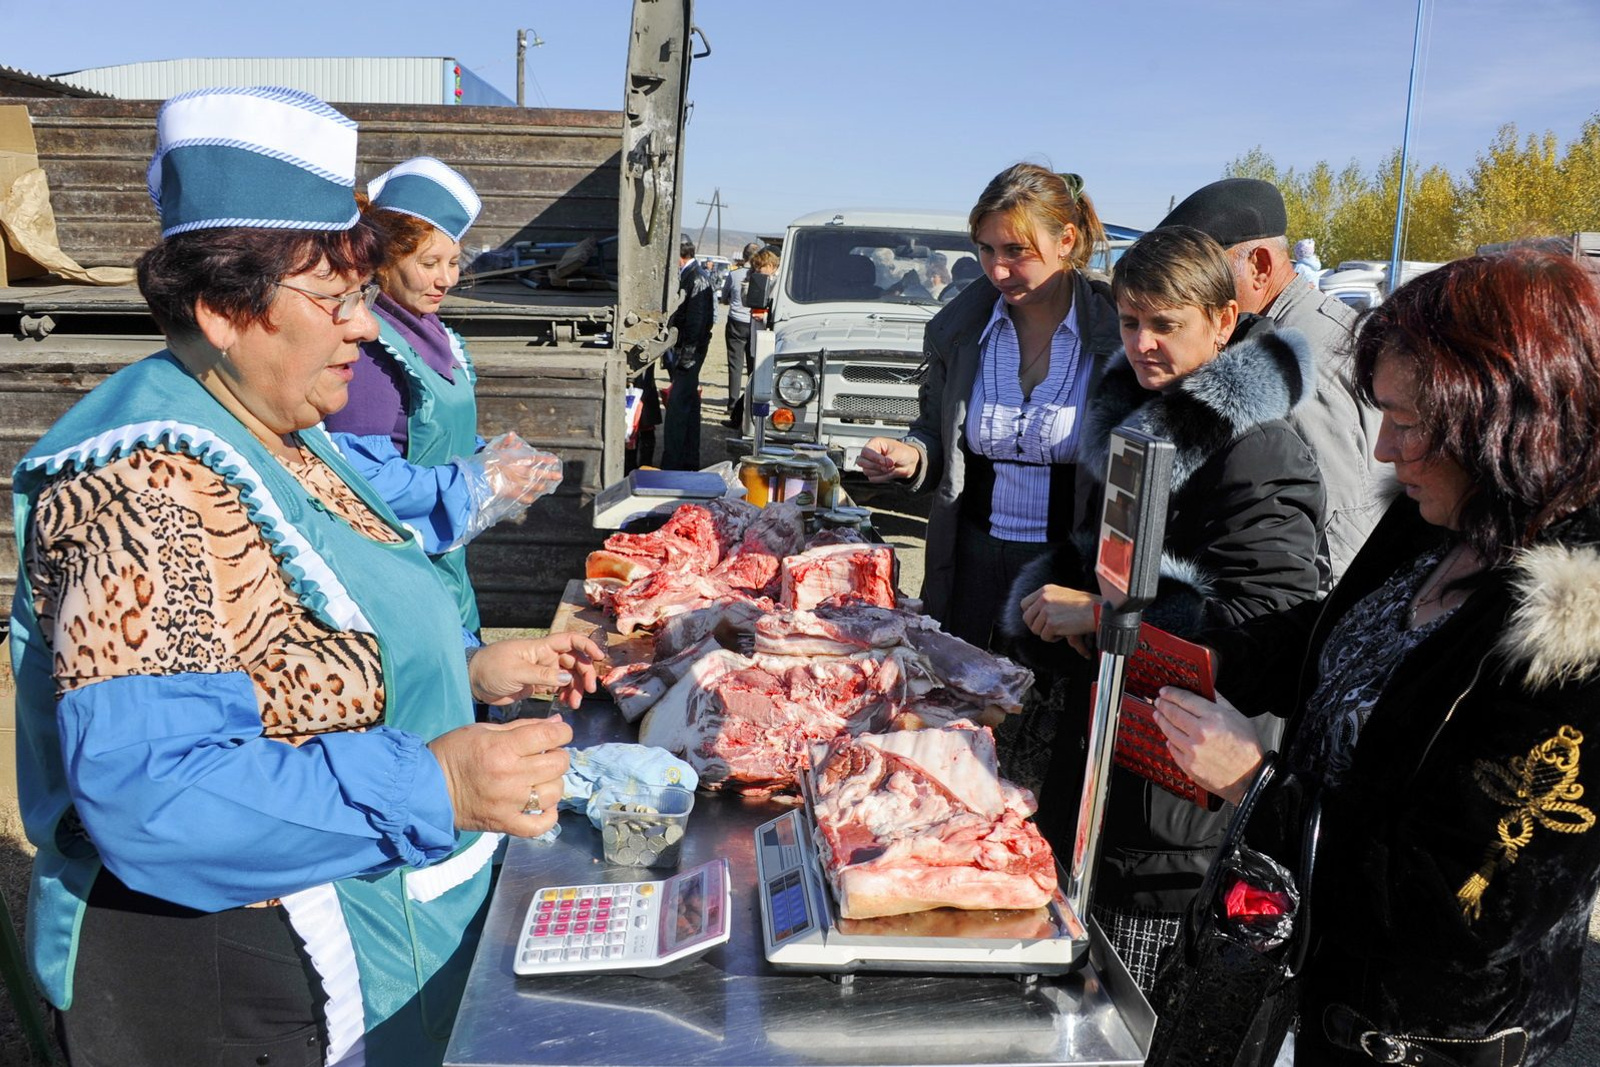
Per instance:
{"type": "Point", "coordinates": [731, 1008]}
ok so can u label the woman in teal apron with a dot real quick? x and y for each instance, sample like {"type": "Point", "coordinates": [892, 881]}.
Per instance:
{"type": "Point", "coordinates": [264, 818]}
{"type": "Point", "coordinates": [411, 426]}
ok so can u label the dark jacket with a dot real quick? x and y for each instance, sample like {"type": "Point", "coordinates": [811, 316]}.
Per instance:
{"type": "Point", "coordinates": [694, 316]}
{"type": "Point", "coordinates": [1241, 541]}
{"type": "Point", "coordinates": [1446, 902]}
{"type": "Point", "coordinates": [953, 354]}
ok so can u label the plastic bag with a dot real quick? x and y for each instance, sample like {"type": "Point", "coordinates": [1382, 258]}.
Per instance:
{"type": "Point", "coordinates": [601, 772]}
{"type": "Point", "coordinates": [503, 478]}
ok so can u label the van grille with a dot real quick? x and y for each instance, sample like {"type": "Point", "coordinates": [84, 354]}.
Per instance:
{"type": "Point", "coordinates": [847, 405]}
{"type": "Point", "coordinates": [855, 372]}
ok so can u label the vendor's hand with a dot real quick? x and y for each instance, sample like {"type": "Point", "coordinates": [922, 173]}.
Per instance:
{"type": "Point", "coordinates": [505, 777]}
{"type": "Point", "coordinates": [1210, 739]}
{"type": "Point", "coordinates": [884, 459]}
{"type": "Point", "coordinates": [507, 671]}
{"type": "Point", "coordinates": [518, 471]}
{"type": "Point", "coordinates": [1057, 613]}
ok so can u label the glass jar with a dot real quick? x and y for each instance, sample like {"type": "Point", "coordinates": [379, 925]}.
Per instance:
{"type": "Point", "coordinates": [759, 476]}
{"type": "Point", "coordinates": [827, 473]}
{"type": "Point", "coordinates": [799, 479]}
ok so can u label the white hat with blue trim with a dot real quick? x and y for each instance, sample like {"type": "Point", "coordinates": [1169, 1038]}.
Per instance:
{"type": "Point", "coordinates": [429, 190]}
{"type": "Point", "coordinates": [262, 156]}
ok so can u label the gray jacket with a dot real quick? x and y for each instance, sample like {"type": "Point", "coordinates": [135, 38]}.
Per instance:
{"type": "Point", "coordinates": [953, 354]}
{"type": "Point", "coordinates": [1339, 428]}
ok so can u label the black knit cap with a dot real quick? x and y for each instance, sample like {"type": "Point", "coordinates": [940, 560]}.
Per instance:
{"type": "Point", "coordinates": [1232, 211]}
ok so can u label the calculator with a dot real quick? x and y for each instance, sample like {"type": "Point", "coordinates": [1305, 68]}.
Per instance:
{"type": "Point", "coordinates": [634, 927]}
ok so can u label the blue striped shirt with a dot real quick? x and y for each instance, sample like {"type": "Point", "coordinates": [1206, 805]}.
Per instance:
{"type": "Point", "coordinates": [1024, 438]}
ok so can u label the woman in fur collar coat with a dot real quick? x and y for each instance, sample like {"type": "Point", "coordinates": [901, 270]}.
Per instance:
{"type": "Point", "coordinates": [1241, 541]}
{"type": "Point", "coordinates": [1446, 694]}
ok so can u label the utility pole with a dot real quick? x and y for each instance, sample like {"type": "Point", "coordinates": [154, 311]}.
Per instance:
{"type": "Point", "coordinates": [1405, 151]}
{"type": "Point", "coordinates": [522, 66]}
{"type": "Point", "coordinates": [714, 202]}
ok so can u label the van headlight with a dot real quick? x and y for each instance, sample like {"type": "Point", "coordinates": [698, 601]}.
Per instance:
{"type": "Point", "coordinates": [796, 386]}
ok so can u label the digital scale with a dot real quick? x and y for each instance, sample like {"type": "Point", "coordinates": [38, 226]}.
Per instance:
{"type": "Point", "coordinates": [802, 932]}
{"type": "Point", "coordinates": [644, 928]}
{"type": "Point", "coordinates": [653, 492]}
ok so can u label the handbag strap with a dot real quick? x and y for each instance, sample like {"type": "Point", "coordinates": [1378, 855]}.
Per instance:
{"type": "Point", "coordinates": [1230, 841]}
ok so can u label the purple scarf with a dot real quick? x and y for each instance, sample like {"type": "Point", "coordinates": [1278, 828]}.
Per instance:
{"type": "Point", "coordinates": [379, 396]}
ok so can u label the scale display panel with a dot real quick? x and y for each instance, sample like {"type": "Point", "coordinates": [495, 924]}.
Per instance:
{"type": "Point", "coordinates": [1133, 517]}
{"type": "Point", "coordinates": [801, 931]}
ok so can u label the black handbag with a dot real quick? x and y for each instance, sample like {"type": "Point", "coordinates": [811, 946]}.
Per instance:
{"type": "Point", "coordinates": [1225, 993]}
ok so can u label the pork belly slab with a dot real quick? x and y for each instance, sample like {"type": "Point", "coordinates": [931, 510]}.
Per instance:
{"type": "Point", "coordinates": [915, 820]}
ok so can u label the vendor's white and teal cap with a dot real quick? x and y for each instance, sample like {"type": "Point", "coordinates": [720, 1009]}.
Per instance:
{"type": "Point", "coordinates": [430, 191]}
{"type": "Point", "coordinates": [263, 156]}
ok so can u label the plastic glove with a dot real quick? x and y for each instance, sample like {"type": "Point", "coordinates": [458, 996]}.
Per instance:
{"type": "Point", "coordinates": [503, 478]}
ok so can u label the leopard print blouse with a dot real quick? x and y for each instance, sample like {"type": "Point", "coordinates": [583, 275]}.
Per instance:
{"type": "Point", "coordinates": [150, 565]}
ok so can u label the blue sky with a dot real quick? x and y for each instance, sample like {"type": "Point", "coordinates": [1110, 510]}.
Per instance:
{"type": "Point", "coordinates": [886, 103]}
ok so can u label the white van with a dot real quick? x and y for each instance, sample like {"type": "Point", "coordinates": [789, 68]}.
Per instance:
{"type": "Point", "coordinates": [855, 289]}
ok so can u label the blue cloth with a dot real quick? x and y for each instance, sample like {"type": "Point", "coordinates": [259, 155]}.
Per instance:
{"type": "Point", "coordinates": [434, 501]}
{"type": "Point", "coordinates": [209, 813]}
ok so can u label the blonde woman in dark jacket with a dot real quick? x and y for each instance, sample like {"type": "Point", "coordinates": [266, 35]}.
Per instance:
{"type": "Point", "coordinates": [1009, 361]}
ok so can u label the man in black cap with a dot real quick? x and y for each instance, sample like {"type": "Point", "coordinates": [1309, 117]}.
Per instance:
{"type": "Point", "coordinates": [1246, 216]}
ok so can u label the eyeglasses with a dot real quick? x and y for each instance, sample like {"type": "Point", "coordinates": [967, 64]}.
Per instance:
{"type": "Point", "coordinates": [346, 302]}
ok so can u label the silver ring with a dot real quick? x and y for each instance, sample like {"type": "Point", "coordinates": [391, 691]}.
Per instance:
{"type": "Point", "coordinates": [531, 807]}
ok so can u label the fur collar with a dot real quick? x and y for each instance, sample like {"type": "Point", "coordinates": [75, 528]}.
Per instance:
{"type": "Point", "coordinates": [1261, 376]}
{"type": "Point", "coordinates": [1554, 629]}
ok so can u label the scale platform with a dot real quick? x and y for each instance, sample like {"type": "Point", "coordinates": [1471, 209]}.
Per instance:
{"type": "Point", "coordinates": [802, 932]}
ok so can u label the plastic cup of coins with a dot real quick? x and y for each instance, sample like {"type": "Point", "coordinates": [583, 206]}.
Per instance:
{"type": "Point", "coordinates": [645, 827]}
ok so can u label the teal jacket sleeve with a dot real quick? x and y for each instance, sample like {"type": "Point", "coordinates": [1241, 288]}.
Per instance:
{"type": "Point", "coordinates": [435, 501]}
{"type": "Point", "coordinates": [187, 800]}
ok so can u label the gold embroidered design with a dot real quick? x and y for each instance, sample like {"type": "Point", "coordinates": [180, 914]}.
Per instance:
{"type": "Point", "coordinates": [1541, 789]}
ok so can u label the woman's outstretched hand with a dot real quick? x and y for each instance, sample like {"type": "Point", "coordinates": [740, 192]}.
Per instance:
{"type": "Point", "coordinates": [884, 459]}
{"type": "Point", "coordinates": [1057, 613]}
{"type": "Point", "coordinates": [507, 671]}
{"type": "Point", "coordinates": [1211, 740]}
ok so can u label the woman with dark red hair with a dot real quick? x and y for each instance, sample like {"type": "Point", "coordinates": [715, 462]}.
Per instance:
{"type": "Point", "coordinates": [1445, 696]}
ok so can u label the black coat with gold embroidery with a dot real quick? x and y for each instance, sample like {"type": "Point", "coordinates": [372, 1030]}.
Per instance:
{"type": "Point", "coordinates": [1460, 856]}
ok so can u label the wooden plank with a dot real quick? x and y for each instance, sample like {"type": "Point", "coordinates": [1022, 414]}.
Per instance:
{"type": "Point", "coordinates": [574, 615]}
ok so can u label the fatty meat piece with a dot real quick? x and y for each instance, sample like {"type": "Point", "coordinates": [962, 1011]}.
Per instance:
{"type": "Point", "coordinates": [863, 571]}
{"type": "Point", "coordinates": [688, 540]}
{"type": "Point", "coordinates": [635, 687]}
{"type": "Point", "coordinates": [912, 821]}
{"type": "Point", "coordinates": [748, 723]}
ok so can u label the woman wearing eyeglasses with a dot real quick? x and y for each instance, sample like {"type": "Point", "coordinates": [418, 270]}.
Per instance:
{"type": "Point", "coordinates": [264, 819]}
{"type": "Point", "coordinates": [411, 427]}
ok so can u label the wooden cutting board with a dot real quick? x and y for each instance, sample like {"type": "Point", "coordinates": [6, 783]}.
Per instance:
{"type": "Point", "coordinates": [574, 615]}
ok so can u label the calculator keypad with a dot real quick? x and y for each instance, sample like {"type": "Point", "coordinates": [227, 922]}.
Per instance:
{"type": "Point", "coordinates": [569, 925]}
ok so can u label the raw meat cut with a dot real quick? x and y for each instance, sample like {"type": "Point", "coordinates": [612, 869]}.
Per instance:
{"type": "Point", "coordinates": [915, 820]}
{"type": "Point", "coordinates": [635, 687]}
{"type": "Point", "coordinates": [864, 571]}
{"type": "Point", "coordinates": [688, 540]}
{"type": "Point", "coordinates": [748, 723]}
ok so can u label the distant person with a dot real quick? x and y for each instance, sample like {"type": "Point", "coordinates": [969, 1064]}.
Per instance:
{"type": "Point", "coordinates": [936, 274]}
{"type": "Point", "coordinates": [1247, 217]}
{"type": "Point", "coordinates": [1001, 409]}
{"type": "Point", "coordinates": [883, 265]}
{"type": "Point", "coordinates": [736, 333]}
{"type": "Point", "coordinates": [1306, 263]}
{"type": "Point", "coordinates": [962, 272]}
{"type": "Point", "coordinates": [693, 319]}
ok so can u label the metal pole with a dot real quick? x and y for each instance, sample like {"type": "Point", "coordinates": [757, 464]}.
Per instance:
{"type": "Point", "coordinates": [1405, 152]}
{"type": "Point", "coordinates": [522, 54]}
{"type": "Point", "coordinates": [1119, 638]}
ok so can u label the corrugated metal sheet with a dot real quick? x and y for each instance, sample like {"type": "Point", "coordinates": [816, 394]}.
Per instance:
{"type": "Point", "coordinates": [365, 80]}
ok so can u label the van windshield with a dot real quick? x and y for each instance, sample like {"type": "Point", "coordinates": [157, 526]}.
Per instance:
{"type": "Point", "coordinates": [836, 263]}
